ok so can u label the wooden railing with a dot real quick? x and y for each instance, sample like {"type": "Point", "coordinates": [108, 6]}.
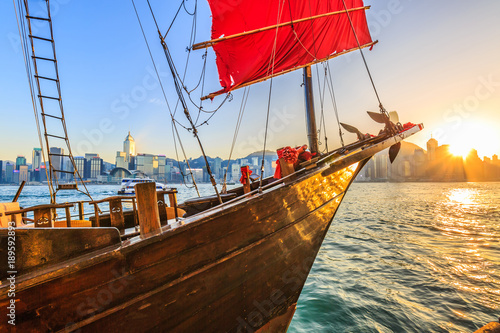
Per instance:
{"type": "Point", "coordinates": [149, 208]}
{"type": "Point", "coordinates": [44, 214]}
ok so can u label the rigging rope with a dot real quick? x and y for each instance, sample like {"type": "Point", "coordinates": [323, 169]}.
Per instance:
{"type": "Point", "coordinates": [202, 74]}
{"type": "Point", "coordinates": [178, 89]}
{"type": "Point", "coordinates": [185, 158]}
{"type": "Point", "coordinates": [334, 102]}
{"type": "Point", "coordinates": [171, 24]}
{"type": "Point", "coordinates": [322, 102]}
{"type": "Point", "coordinates": [244, 100]}
{"type": "Point", "coordinates": [168, 105]}
{"type": "Point", "coordinates": [271, 64]}
{"type": "Point", "coordinates": [382, 109]}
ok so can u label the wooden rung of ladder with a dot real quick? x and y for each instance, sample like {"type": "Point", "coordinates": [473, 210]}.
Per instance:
{"type": "Point", "coordinates": [67, 187]}
{"type": "Point", "coordinates": [42, 38]}
{"type": "Point", "coordinates": [55, 136]}
{"type": "Point", "coordinates": [37, 18]}
{"type": "Point", "coordinates": [63, 171]}
{"type": "Point", "coordinates": [46, 78]}
{"type": "Point", "coordinates": [52, 116]}
{"type": "Point", "coordinates": [54, 154]}
{"type": "Point", "coordinates": [43, 58]}
{"type": "Point", "coordinates": [49, 97]}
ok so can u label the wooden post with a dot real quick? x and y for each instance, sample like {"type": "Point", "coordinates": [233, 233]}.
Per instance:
{"type": "Point", "coordinates": [134, 208]}
{"type": "Point", "coordinates": [162, 206]}
{"type": "Point", "coordinates": [81, 211]}
{"type": "Point", "coordinates": [149, 217]}
{"type": "Point", "coordinates": [19, 190]}
{"type": "Point", "coordinates": [172, 197]}
{"type": "Point", "coordinates": [43, 218]}
{"type": "Point", "coordinates": [68, 217]}
{"type": "Point", "coordinates": [96, 213]}
{"type": "Point", "coordinates": [116, 214]}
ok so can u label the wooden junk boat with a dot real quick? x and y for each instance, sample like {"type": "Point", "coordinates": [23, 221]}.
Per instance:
{"type": "Point", "coordinates": [233, 262]}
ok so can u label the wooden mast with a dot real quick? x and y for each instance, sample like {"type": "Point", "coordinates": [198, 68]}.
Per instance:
{"type": "Point", "coordinates": [312, 132]}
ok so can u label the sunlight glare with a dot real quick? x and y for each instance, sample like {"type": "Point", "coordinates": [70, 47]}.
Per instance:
{"type": "Point", "coordinates": [460, 149]}
{"type": "Point", "coordinates": [479, 135]}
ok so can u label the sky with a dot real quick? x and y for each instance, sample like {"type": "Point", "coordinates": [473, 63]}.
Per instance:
{"type": "Point", "coordinates": [436, 63]}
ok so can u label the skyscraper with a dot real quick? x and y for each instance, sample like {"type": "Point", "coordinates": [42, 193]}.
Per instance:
{"type": "Point", "coordinates": [1, 172]}
{"type": "Point", "coordinates": [36, 160]}
{"type": "Point", "coordinates": [20, 160]}
{"type": "Point", "coordinates": [96, 165]}
{"type": "Point", "coordinates": [145, 163]}
{"type": "Point", "coordinates": [80, 163]}
{"type": "Point", "coordinates": [9, 172]}
{"type": "Point", "coordinates": [57, 160]}
{"type": "Point", "coordinates": [432, 146]}
{"type": "Point", "coordinates": [23, 173]}
{"type": "Point", "coordinates": [121, 160]}
{"type": "Point", "coordinates": [129, 147]}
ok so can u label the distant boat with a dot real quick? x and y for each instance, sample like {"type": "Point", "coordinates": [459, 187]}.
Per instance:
{"type": "Point", "coordinates": [127, 185]}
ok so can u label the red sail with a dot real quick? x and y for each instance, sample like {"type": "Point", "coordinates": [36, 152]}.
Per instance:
{"type": "Point", "coordinates": [250, 57]}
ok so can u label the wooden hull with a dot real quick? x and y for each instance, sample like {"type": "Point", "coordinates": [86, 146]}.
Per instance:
{"type": "Point", "coordinates": [239, 267]}
{"type": "Point", "coordinates": [232, 270]}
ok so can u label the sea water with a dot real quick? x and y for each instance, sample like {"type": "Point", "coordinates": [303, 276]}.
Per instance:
{"type": "Point", "coordinates": [407, 257]}
{"type": "Point", "coordinates": [399, 257]}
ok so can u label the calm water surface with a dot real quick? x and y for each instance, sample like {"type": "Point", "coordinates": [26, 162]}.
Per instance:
{"type": "Point", "coordinates": [412, 257]}
{"type": "Point", "coordinates": [419, 257]}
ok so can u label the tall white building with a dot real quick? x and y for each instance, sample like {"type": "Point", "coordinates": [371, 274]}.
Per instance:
{"type": "Point", "coordinates": [129, 147]}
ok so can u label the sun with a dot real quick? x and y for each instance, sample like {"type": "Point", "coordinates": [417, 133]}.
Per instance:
{"type": "Point", "coordinates": [459, 149]}
{"type": "Point", "coordinates": [479, 135]}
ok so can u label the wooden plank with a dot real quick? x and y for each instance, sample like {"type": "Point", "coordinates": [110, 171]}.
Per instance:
{"type": "Point", "coordinates": [39, 248]}
{"type": "Point", "coordinates": [147, 206]}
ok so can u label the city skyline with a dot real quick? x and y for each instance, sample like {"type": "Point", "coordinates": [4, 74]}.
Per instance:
{"type": "Point", "coordinates": [108, 83]}
{"type": "Point", "coordinates": [414, 163]}
{"type": "Point", "coordinates": [459, 153]}
{"type": "Point", "coordinates": [129, 163]}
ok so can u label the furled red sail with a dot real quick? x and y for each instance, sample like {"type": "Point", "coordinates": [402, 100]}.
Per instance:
{"type": "Point", "coordinates": [250, 57]}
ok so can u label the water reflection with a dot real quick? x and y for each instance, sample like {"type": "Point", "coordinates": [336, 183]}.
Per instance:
{"type": "Point", "coordinates": [464, 245]}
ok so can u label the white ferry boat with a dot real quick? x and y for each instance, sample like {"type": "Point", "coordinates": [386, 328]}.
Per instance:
{"type": "Point", "coordinates": [129, 183]}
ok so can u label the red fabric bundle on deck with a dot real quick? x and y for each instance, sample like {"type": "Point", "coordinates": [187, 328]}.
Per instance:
{"type": "Point", "coordinates": [245, 174]}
